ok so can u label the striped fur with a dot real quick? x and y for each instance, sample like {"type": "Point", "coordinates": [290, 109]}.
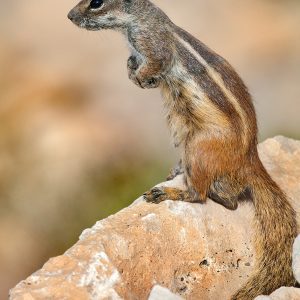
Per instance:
{"type": "Point", "coordinates": [220, 149]}
{"type": "Point", "coordinates": [212, 120]}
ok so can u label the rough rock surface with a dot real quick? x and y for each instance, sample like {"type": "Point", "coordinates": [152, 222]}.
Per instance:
{"type": "Point", "coordinates": [296, 259]}
{"type": "Point", "coordinates": [196, 251]}
{"type": "Point", "coordinates": [284, 293]}
{"type": "Point", "coordinates": [158, 293]}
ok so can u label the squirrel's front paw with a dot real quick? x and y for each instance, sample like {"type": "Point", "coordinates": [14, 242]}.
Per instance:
{"type": "Point", "coordinates": [155, 195]}
{"type": "Point", "coordinates": [132, 64]}
{"type": "Point", "coordinates": [144, 83]}
{"type": "Point", "coordinates": [148, 83]}
{"type": "Point", "coordinates": [136, 76]}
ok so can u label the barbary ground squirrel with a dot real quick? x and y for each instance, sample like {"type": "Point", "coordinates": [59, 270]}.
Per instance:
{"type": "Point", "coordinates": [212, 120]}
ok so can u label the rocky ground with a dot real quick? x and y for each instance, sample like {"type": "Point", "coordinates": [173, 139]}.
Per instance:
{"type": "Point", "coordinates": [170, 250]}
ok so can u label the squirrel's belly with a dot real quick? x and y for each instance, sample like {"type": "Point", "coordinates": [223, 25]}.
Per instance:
{"type": "Point", "coordinates": [176, 105]}
{"type": "Point", "coordinates": [178, 127]}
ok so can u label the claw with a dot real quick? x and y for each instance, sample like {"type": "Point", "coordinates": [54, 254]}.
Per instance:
{"type": "Point", "coordinates": [156, 192]}
{"type": "Point", "coordinates": [155, 195]}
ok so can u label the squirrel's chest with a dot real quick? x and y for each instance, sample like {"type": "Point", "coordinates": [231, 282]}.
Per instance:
{"type": "Point", "coordinates": [181, 95]}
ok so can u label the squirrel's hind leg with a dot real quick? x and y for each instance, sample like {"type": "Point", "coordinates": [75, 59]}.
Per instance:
{"type": "Point", "coordinates": [228, 192]}
{"type": "Point", "coordinates": [228, 202]}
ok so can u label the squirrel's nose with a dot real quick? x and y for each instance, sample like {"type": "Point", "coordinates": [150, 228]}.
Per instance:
{"type": "Point", "coordinates": [71, 15]}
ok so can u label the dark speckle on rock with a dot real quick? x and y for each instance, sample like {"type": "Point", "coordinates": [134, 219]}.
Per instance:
{"type": "Point", "coordinates": [204, 263]}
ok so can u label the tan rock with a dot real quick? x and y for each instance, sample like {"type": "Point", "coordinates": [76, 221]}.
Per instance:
{"type": "Point", "coordinates": [196, 251]}
{"type": "Point", "coordinates": [158, 293]}
{"type": "Point", "coordinates": [284, 293]}
{"type": "Point", "coordinates": [296, 259]}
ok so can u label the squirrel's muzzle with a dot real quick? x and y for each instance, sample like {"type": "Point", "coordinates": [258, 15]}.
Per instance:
{"type": "Point", "coordinates": [71, 15]}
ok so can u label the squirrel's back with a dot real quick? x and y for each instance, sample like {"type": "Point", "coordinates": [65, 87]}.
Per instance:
{"type": "Point", "coordinates": [209, 92]}
{"type": "Point", "coordinates": [211, 109]}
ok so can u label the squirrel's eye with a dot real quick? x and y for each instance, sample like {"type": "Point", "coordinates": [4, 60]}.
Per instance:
{"type": "Point", "coordinates": [96, 4]}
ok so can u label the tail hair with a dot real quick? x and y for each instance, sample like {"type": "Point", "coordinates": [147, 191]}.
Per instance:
{"type": "Point", "coordinates": [276, 229]}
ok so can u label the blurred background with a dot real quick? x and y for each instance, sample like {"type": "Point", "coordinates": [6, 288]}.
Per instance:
{"type": "Point", "coordinates": [78, 141]}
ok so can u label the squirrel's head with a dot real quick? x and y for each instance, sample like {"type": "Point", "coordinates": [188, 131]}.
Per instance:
{"type": "Point", "coordinates": [101, 14]}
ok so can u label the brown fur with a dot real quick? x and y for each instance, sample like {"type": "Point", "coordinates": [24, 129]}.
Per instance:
{"type": "Point", "coordinates": [212, 119]}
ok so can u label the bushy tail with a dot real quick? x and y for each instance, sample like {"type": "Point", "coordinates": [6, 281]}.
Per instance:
{"type": "Point", "coordinates": [276, 229]}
